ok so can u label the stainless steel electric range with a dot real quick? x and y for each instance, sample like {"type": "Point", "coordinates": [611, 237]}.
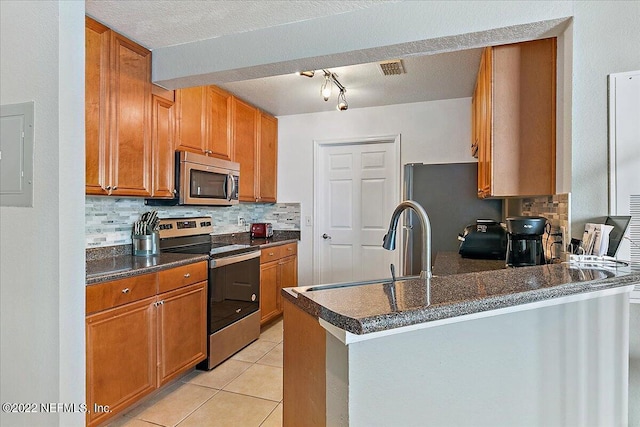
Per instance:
{"type": "Point", "coordinates": [233, 314]}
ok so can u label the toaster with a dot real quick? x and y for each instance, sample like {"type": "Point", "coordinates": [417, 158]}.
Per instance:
{"type": "Point", "coordinates": [261, 230]}
{"type": "Point", "coordinates": [486, 239]}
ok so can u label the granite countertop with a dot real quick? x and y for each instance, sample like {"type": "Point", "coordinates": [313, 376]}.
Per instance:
{"type": "Point", "coordinates": [280, 237]}
{"type": "Point", "coordinates": [383, 306]}
{"type": "Point", "coordinates": [116, 262]}
{"type": "Point", "coordinates": [447, 263]}
{"type": "Point", "coordinates": [122, 266]}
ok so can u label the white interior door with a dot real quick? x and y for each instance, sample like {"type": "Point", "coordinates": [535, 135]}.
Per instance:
{"type": "Point", "coordinates": [356, 192]}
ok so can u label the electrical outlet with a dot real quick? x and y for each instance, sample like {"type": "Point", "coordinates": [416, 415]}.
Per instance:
{"type": "Point", "coordinates": [565, 240]}
{"type": "Point", "coordinates": [241, 221]}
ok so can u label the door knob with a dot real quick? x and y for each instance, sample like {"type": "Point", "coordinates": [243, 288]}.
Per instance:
{"type": "Point", "coordinates": [325, 236]}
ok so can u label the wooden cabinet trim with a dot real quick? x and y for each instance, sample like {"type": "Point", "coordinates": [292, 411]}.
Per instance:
{"type": "Point", "coordinates": [304, 374]}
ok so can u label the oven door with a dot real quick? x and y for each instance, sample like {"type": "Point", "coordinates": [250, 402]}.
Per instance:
{"type": "Point", "coordinates": [207, 185]}
{"type": "Point", "coordinates": [234, 289]}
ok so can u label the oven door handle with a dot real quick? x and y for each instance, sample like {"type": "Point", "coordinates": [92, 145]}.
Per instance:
{"type": "Point", "coordinates": [221, 262]}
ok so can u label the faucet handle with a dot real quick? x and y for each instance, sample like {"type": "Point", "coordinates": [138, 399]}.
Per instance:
{"type": "Point", "coordinates": [393, 272]}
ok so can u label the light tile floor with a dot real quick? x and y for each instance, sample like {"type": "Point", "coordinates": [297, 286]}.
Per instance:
{"type": "Point", "coordinates": [244, 391]}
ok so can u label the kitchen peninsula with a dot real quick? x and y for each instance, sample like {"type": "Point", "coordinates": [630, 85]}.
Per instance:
{"type": "Point", "coordinates": [543, 345]}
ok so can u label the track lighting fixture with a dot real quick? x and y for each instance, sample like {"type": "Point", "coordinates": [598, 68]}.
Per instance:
{"type": "Point", "coordinates": [326, 89]}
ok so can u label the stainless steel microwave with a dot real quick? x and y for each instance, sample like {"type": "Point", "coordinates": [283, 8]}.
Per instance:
{"type": "Point", "coordinates": [202, 180]}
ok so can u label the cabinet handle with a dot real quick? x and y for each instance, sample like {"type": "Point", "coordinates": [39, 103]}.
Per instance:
{"type": "Point", "coordinates": [208, 152]}
{"type": "Point", "coordinates": [125, 291]}
{"type": "Point", "coordinates": [108, 187]}
{"type": "Point", "coordinates": [270, 253]}
{"type": "Point", "coordinates": [159, 303]}
{"type": "Point", "coordinates": [115, 188]}
{"type": "Point", "coordinates": [187, 275]}
{"type": "Point", "coordinates": [290, 249]}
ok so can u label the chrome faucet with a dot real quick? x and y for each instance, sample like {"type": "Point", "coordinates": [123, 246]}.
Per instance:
{"type": "Point", "coordinates": [389, 241]}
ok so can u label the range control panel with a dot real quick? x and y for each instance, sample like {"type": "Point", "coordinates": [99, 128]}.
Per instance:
{"type": "Point", "coordinates": [180, 227]}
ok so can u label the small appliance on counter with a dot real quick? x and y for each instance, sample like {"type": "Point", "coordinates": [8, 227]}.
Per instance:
{"type": "Point", "coordinates": [261, 230]}
{"type": "Point", "coordinates": [524, 240]}
{"type": "Point", "coordinates": [486, 239]}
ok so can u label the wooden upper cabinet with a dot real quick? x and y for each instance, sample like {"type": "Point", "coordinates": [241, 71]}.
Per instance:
{"type": "Point", "coordinates": [118, 114]}
{"type": "Point", "coordinates": [131, 117]}
{"type": "Point", "coordinates": [203, 121]}
{"type": "Point", "coordinates": [267, 158]}
{"type": "Point", "coordinates": [97, 38]}
{"type": "Point", "coordinates": [517, 119]}
{"type": "Point", "coordinates": [190, 128]}
{"type": "Point", "coordinates": [162, 143]}
{"type": "Point", "coordinates": [218, 122]}
{"type": "Point", "coordinates": [244, 125]}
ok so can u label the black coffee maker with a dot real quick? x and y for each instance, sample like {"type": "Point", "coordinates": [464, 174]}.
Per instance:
{"type": "Point", "coordinates": [524, 240]}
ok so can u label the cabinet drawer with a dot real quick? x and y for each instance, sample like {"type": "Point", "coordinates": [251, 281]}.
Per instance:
{"type": "Point", "coordinates": [178, 277]}
{"type": "Point", "coordinates": [289, 249]}
{"type": "Point", "coordinates": [269, 254]}
{"type": "Point", "coordinates": [273, 253]}
{"type": "Point", "coordinates": [117, 292]}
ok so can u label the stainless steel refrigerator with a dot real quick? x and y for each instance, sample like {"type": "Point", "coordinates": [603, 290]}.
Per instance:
{"type": "Point", "coordinates": [448, 192]}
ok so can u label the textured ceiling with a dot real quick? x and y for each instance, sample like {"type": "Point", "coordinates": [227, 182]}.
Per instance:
{"type": "Point", "coordinates": [164, 23]}
{"type": "Point", "coordinates": [431, 75]}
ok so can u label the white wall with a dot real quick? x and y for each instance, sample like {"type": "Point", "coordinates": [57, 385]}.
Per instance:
{"type": "Point", "coordinates": [42, 249]}
{"type": "Point", "coordinates": [606, 40]}
{"type": "Point", "coordinates": [563, 365]}
{"type": "Point", "coordinates": [431, 132]}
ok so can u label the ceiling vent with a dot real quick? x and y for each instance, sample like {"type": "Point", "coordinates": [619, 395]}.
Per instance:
{"type": "Point", "coordinates": [391, 68]}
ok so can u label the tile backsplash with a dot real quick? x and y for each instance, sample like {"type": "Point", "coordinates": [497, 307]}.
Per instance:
{"type": "Point", "coordinates": [556, 209]}
{"type": "Point", "coordinates": [109, 220]}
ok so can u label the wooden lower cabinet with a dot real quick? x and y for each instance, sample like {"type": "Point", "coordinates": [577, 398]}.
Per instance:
{"type": "Point", "coordinates": [268, 291]}
{"type": "Point", "coordinates": [135, 347]}
{"type": "Point", "coordinates": [121, 358]}
{"type": "Point", "coordinates": [182, 317]}
{"type": "Point", "coordinates": [278, 269]}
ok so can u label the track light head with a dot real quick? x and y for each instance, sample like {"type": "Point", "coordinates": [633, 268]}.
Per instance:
{"type": "Point", "coordinates": [327, 87]}
{"type": "Point", "coordinates": [342, 101]}
{"type": "Point", "coordinates": [306, 73]}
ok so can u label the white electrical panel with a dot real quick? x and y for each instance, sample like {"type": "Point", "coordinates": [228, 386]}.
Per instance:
{"type": "Point", "coordinates": [16, 154]}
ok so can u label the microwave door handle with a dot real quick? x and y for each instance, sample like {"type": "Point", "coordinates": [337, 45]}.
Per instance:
{"type": "Point", "coordinates": [230, 183]}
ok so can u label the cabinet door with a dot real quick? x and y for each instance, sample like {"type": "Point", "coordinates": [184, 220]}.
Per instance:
{"type": "Point", "coordinates": [218, 121]}
{"type": "Point", "coordinates": [268, 158]}
{"type": "Point", "coordinates": [190, 126]}
{"type": "Point", "coordinates": [162, 141]}
{"type": "Point", "coordinates": [121, 357]}
{"type": "Point", "coordinates": [269, 275]}
{"type": "Point", "coordinates": [288, 277]}
{"type": "Point", "coordinates": [130, 118]}
{"type": "Point", "coordinates": [182, 330]}
{"type": "Point", "coordinates": [97, 38]}
{"type": "Point", "coordinates": [244, 124]}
